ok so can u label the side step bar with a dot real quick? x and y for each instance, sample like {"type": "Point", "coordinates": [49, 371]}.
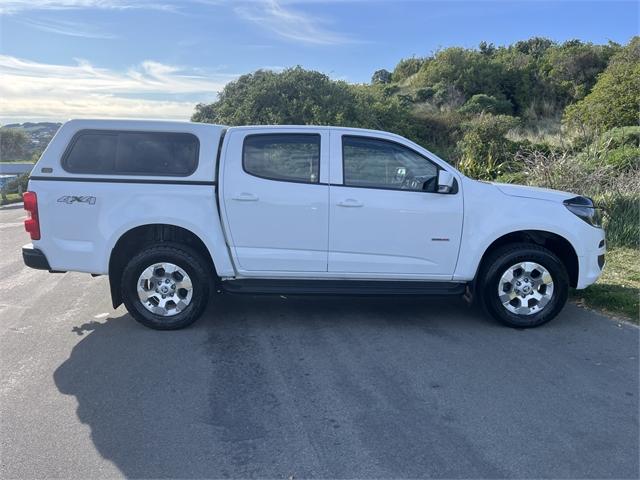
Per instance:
{"type": "Point", "coordinates": [340, 287]}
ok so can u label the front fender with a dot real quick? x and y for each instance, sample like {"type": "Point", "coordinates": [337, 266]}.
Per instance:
{"type": "Point", "coordinates": [491, 214]}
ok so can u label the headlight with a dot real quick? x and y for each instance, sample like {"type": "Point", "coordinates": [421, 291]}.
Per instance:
{"type": "Point", "coordinates": [584, 208]}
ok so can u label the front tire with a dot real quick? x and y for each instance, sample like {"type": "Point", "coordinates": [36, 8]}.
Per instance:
{"type": "Point", "coordinates": [523, 285]}
{"type": "Point", "coordinates": [165, 286]}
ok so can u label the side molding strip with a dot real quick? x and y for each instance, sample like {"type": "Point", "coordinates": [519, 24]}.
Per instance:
{"type": "Point", "coordinates": [122, 180]}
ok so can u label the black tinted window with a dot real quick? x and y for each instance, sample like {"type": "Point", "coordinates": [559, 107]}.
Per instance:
{"type": "Point", "coordinates": [289, 157]}
{"type": "Point", "coordinates": [92, 153]}
{"type": "Point", "coordinates": [133, 153]}
{"type": "Point", "coordinates": [374, 163]}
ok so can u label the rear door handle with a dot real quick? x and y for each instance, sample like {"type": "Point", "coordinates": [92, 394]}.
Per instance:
{"type": "Point", "coordinates": [350, 202]}
{"type": "Point", "coordinates": [245, 197]}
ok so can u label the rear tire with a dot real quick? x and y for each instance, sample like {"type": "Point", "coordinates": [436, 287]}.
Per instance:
{"type": "Point", "coordinates": [523, 285]}
{"type": "Point", "coordinates": [174, 282]}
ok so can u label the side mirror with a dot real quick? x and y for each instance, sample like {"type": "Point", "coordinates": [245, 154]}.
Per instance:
{"type": "Point", "coordinates": [446, 181]}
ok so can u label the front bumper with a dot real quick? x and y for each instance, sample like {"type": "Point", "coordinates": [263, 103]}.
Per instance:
{"type": "Point", "coordinates": [590, 265]}
{"type": "Point", "coordinates": [34, 258]}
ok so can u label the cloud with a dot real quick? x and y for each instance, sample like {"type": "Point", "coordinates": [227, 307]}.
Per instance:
{"type": "Point", "coordinates": [72, 29]}
{"type": "Point", "coordinates": [39, 90]}
{"type": "Point", "coordinates": [16, 6]}
{"type": "Point", "coordinates": [276, 16]}
{"type": "Point", "coordinates": [289, 24]}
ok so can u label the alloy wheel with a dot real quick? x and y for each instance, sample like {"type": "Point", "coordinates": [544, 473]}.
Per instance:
{"type": "Point", "coordinates": [525, 288]}
{"type": "Point", "coordinates": [164, 289]}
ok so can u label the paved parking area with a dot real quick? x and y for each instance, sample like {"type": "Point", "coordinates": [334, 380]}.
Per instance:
{"type": "Point", "coordinates": [304, 387]}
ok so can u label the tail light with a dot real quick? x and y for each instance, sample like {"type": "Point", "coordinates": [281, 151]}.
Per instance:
{"type": "Point", "coordinates": [32, 222]}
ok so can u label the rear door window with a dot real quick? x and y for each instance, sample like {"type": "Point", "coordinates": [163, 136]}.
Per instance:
{"type": "Point", "coordinates": [289, 157]}
{"type": "Point", "coordinates": [132, 153]}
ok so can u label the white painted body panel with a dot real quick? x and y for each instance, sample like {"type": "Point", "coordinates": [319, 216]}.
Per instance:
{"type": "Point", "coordinates": [273, 225]}
{"type": "Point", "coordinates": [80, 237]}
{"type": "Point", "coordinates": [397, 232]}
{"type": "Point", "coordinates": [295, 230]}
{"type": "Point", "coordinates": [490, 213]}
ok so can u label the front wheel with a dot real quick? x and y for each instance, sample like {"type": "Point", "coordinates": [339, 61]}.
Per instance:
{"type": "Point", "coordinates": [165, 287]}
{"type": "Point", "coordinates": [523, 285]}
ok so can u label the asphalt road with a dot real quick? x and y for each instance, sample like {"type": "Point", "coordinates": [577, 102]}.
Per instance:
{"type": "Point", "coordinates": [323, 387]}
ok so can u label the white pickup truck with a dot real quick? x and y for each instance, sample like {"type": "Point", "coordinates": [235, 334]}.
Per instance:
{"type": "Point", "coordinates": [172, 210]}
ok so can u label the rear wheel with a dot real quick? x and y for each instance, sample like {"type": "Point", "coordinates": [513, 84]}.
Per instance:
{"type": "Point", "coordinates": [523, 285]}
{"type": "Point", "coordinates": [165, 286]}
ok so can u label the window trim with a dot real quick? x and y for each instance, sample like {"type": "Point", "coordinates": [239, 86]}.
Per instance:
{"type": "Point", "coordinates": [244, 169]}
{"type": "Point", "coordinates": [92, 131]}
{"type": "Point", "coordinates": [394, 142]}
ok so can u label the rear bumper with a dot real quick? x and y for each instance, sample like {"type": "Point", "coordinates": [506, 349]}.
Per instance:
{"type": "Point", "coordinates": [34, 258]}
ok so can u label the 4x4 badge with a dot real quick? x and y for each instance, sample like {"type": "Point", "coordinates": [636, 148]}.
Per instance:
{"type": "Point", "coordinates": [77, 199]}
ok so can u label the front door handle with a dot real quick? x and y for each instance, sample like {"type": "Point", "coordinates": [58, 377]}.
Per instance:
{"type": "Point", "coordinates": [245, 197]}
{"type": "Point", "coordinates": [350, 202]}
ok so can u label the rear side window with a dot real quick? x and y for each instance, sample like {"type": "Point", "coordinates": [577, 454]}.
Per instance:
{"type": "Point", "coordinates": [286, 157]}
{"type": "Point", "coordinates": [132, 153]}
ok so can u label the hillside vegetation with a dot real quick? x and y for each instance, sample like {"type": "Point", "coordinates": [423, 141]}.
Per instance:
{"type": "Point", "coordinates": [26, 141]}
{"type": "Point", "coordinates": [537, 112]}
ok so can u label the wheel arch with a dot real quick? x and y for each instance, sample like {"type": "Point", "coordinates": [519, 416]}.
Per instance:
{"type": "Point", "coordinates": [554, 242]}
{"type": "Point", "coordinates": [134, 239]}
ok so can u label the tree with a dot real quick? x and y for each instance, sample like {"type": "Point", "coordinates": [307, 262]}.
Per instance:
{"type": "Point", "coordinates": [406, 68]}
{"type": "Point", "coordinates": [536, 46]}
{"type": "Point", "coordinates": [572, 68]}
{"type": "Point", "coordinates": [486, 48]}
{"type": "Point", "coordinates": [459, 73]}
{"type": "Point", "coordinates": [381, 77]}
{"type": "Point", "coordinates": [13, 144]}
{"type": "Point", "coordinates": [294, 96]}
{"type": "Point", "coordinates": [304, 97]}
{"type": "Point", "coordinates": [615, 98]}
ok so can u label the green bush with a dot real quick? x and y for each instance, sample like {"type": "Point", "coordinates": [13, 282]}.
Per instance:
{"type": "Point", "coordinates": [17, 185]}
{"type": "Point", "coordinates": [519, 178]}
{"type": "Point", "coordinates": [614, 100]}
{"type": "Point", "coordinates": [467, 71]}
{"type": "Point", "coordinates": [406, 68]}
{"type": "Point", "coordinates": [620, 137]}
{"type": "Point", "coordinates": [622, 219]}
{"type": "Point", "coordinates": [572, 68]}
{"type": "Point", "coordinates": [614, 190]}
{"type": "Point", "coordinates": [618, 149]}
{"type": "Point", "coordinates": [484, 150]}
{"type": "Point", "coordinates": [381, 76]}
{"type": "Point", "coordinates": [482, 103]}
{"type": "Point", "coordinates": [622, 158]}
{"type": "Point", "coordinates": [424, 94]}
{"type": "Point", "coordinates": [438, 131]}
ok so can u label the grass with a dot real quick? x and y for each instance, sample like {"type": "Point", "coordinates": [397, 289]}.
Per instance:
{"type": "Point", "coordinates": [11, 198]}
{"type": "Point", "coordinates": [539, 130]}
{"type": "Point", "coordinates": [617, 292]}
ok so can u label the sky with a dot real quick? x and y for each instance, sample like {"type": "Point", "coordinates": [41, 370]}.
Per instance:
{"type": "Point", "coordinates": [62, 59]}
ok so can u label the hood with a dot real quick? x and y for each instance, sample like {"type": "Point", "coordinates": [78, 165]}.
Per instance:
{"type": "Point", "coordinates": [533, 192]}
